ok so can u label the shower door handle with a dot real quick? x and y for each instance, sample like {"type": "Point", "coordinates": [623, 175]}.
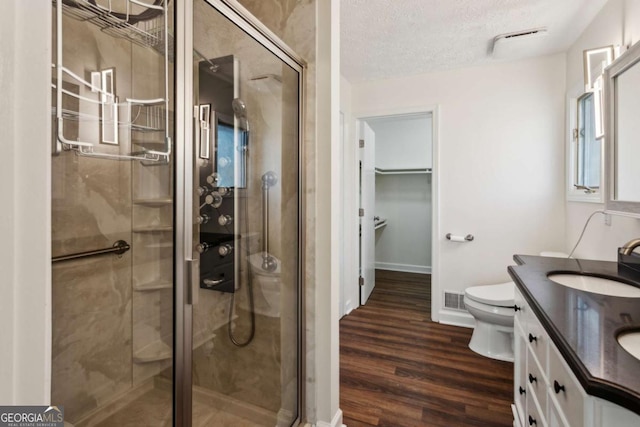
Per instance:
{"type": "Point", "coordinates": [193, 280]}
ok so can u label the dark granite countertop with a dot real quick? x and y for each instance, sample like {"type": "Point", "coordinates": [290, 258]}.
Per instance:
{"type": "Point", "coordinates": [584, 325]}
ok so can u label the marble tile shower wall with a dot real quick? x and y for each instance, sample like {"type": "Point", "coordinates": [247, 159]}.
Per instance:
{"type": "Point", "coordinates": [101, 318]}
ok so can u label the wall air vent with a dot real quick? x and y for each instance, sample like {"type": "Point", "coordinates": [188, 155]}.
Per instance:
{"type": "Point", "coordinates": [517, 43]}
{"type": "Point", "coordinates": [454, 301]}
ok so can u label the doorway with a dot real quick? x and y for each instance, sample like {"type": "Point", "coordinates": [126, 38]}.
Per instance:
{"type": "Point", "coordinates": [403, 179]}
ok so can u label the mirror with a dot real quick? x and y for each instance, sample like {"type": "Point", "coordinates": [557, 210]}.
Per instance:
{"type": "Point", "coordinates": [595, 61]}
{"type": "Point", "coordinates": [623, 132]}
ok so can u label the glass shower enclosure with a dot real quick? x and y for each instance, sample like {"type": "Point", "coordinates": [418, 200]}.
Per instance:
{"type": "Point", "coordinates": [176, 216]}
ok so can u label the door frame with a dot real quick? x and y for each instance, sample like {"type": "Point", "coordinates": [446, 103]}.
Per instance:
{"type": "Point", "coordinates": [351, 229]}
{"type": "Point", "coordinates": [184, 191]}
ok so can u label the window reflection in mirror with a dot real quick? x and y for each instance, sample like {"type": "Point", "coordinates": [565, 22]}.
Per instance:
{"type": "Point", "coordinates": [588, 150]}
{"type": "Point", "coordinates": [595, 61]}
{"type": "Point", "coordinates": [230, 158]}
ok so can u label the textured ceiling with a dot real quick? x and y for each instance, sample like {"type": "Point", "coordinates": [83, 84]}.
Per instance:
{"type": "Point", "coordinates": [393, 38]}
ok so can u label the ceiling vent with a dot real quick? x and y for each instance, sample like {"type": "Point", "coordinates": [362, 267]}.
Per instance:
{"type": "Point", "coordinates": [517, 44]}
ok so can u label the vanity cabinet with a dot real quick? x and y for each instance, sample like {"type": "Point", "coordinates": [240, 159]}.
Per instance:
{"type": "Point", "coordinates": [546, 392]}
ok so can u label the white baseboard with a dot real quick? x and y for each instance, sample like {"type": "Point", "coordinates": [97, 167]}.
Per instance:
{"type": "Point", "coordinates": [406, 268]}
{"type": "Point", "coordinates": [335, 422]}
{"type": "Point", "coordinates": [348, 307]}
{"type": "Point", "coordinates": [456, 318]}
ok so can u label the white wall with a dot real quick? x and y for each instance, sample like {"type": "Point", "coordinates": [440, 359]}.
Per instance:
{"type": "Point", "coordinates": [402, 142]}
{"type": "Point", "coordinates": [404, 200]}
{"type": "Point", "coordinates": [404, 244]}
{"type": "Point", "coordinates": [25, 220]}
{"type": "Point", "coordinates": [501, 161]}
{"type": "Point", "coordinates": [349, 262]}
{"type": "Point", "coordinates": [328, 214]}
{"type": "Point", "coordinates": [618, 23]}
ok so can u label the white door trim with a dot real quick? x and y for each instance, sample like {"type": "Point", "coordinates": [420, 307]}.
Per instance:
{"type": "Point", "coordinates": [351, 232]}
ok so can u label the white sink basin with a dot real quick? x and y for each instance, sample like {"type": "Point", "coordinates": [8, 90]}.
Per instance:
{"type": "Point", "coordinates": [597, 285]}
{"type": "Point", "coordinates": [630, 341]}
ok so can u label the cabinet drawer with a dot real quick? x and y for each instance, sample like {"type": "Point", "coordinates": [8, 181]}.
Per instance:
{"type": "Point", "coordinates": [517, 422]}
{"type": "Point", "coordinates": [565, 389]}
{"type": "Point", "coordinates": [555, 419]}
{"type": "Point", "coordinates": [538, 339]}
{"type": "Point", "coordinates": [534, 416]}
{"type": "Point", "coordinates": [537, 382]}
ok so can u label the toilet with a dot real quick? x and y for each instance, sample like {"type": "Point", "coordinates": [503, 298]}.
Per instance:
{"type": "Point", "coordinates": [266, 285]}
{"type": "Point", "coordinates": [492, 308]}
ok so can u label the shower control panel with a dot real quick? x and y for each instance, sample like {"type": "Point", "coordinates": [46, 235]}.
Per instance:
{"type": "Point", "coordinates": [220, 132]}
{"type": "Point", "coordinates": [216, 239]}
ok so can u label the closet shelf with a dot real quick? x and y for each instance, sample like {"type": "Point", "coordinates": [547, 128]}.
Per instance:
{"type": "Point", "coordinates": [402, 171]}
{"type": "Point", "coordinates": [381, 223]}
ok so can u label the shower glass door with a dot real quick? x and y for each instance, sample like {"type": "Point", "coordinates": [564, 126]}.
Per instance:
{"type": "Point", "coordinates": [245, 318]}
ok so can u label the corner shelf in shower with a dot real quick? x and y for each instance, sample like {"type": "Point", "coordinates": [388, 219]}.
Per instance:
{"type": "Point", "coordinates": [154, 202]}
{"type": "Point", "coordinates": [159, 350]}
{"type": "Point", "coordinates": [159, 245]}
{"type": "Point", "coordinates": [155, 285]}
{"type": "Point", "coordinates": [153, 229]}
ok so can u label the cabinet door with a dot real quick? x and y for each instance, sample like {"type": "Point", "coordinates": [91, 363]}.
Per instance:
{"type": "Point", "coordinates": [519, 374]}
{"type": "Point", "coordinates": [565, 389]}
{"type": "Point", "coordinates": [537, 339]}
{"type": "Point", "coordinates": [608, 414]}
{"type": "Point", "coordinates": [537, 381]}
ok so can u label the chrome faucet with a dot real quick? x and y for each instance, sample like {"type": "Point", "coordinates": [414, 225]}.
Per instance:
{"type": "Point", "coordinates": [629, 247]}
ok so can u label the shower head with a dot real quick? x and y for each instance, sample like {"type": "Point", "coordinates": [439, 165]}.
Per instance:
{"type": "Point", "coordinates": [239, 108]}
{"type": "Point", "coordinates": [240, 111]}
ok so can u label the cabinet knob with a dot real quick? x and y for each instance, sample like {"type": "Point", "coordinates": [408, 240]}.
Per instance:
{"type": "Point", "coordinates": [532, 338]}
{"type": "Point", "coordinates": [532, 421]}
{"type": "Point", "coordinates": [521, 390]}
{"type": "Point", "coordinates": [516, 308]}
{"type": "Point", "coordinates": [557, 387]}
{"type": "Point", "coordinates": [532, 379]}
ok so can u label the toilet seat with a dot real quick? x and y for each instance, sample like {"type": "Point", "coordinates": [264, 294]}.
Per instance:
{"type": "Point", "coordinates": [500, 295]}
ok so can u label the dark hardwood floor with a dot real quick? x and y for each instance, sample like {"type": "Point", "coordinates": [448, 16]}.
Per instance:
{"type": "Point", "coordinates": [398, 368]}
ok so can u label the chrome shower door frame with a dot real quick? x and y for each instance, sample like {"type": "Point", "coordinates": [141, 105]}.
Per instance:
{"type": "Point", "coordinates": [185, 263]}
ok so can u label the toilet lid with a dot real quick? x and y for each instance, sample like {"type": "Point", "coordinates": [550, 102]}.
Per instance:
{"type": "Point", "coordinates": [501, 295]}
